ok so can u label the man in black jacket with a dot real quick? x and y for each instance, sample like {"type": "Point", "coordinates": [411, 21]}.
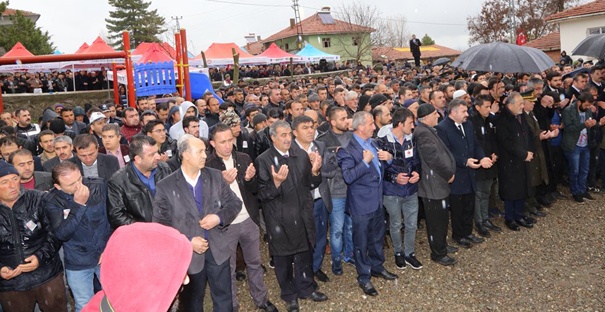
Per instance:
{"type": "Point", "coordinates": [132, 188]}
{"type": "Point", "coordinates": [31, 269]}
{"type": "Point", "coordinates": [239, 172]}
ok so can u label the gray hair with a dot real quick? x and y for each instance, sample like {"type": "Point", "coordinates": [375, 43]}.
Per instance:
{"type": "Point", "coordinates": [531, 83]}
{"type": "Point", "coordinates": [111, 127]}
{"type": "Point", "coordinates": [63, 138]}
{"type": "Point", "coordinates": [359, 118]}
{"type": "Point", "coordinates": [350, 95]}
{"type": "Point", "coordinates": [278, 124]}
{"type": "Point", "coordinates": [454, 104]}
{"type": "Point", "coordinates": [183, 143]}
{"type": "Point", "coordinates": [511, 98]}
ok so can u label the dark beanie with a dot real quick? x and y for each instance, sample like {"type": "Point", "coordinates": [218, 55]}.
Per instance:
{"type": "Point", "coordinates": [6, 169]}
{"type": "Point", "coordinates": [57, 126]}
{"type": "Point", "coordinates": [425, 110]}
{"type": "Point", "coordinates": [377, 99]}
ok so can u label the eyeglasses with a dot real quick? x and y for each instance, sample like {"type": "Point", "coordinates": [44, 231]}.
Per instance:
{"type": "Point", "coordinates": [159, 131]}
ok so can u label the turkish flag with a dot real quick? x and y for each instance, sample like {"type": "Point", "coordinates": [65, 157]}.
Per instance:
{"type": "Point", "coordinates": [521, 38]}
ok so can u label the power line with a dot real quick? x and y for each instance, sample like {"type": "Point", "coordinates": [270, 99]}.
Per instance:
{"type": "Point", "coordinates": [251, 4]}
{"type": "Point", "coordinates": [178, 26]}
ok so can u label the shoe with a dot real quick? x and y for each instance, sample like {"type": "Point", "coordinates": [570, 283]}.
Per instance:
{"type": "Point", "coordinates": [594, 189]}
{"type": "Point", "coordinates": [474, 239]}
{"type": "Point", "coordinates": [264, 268]}
{"type": "Point", "coordinates": [321, 276]}
{"type": "Point", "coordinates": [350, 261]}
{"type": "Point", "coordinates": [368, 289]}
{"type": "Point", "coordinates": [495, 212]}
{"type": "Point", "coordinates": [292, 306]}
{"type": "Point", "coordinates": [268, 307]}
{"type": "Point", "coordinates": [522, 222]}
{"type": "Point", "coordinates": [538, 213]}
{"type": "Point", "coordinates": [558, 195]}
{"type": "Point", "coordinates": [451, 249]}
{"type": "Point", "coordinates": [271, 263]}
{"type": "Point", "coordinates": [588, 196]}
{"type": "Point", "coordinates": [530, 220]}
{"type": "Point", "coordinates": [413, 262]}
{"type": "Point", "coordinates": [463, 242]}
{"type": "Point", "coordinates": [240, 276]}
{"type": "Point", "coordinates": [316, 296]}
{"type": "Point", "coordinates": [544, 201]}
{"type": "Point", "coordinates": [445, 260]}
{"type": "Point", "coordinates": [399, 261]}
{"type": "Point", "coordinates": [386, 275]}
{"type": "Point", "coordinates": [482, 230]}
{"type": "Point", "coordinates": [512, 225]}
{"type": "Point", "coordinates": [491, 226]}
{"type": "Point", "coordinates": [550, 197]}
{"type": "Point", "coordinates": [578, 198]}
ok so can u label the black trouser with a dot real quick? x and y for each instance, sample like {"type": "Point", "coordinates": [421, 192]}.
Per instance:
{"type": "Point", "coordinates": [437, 215]}
{"type": "Point", "coordinates": [555, 168]}
{"type": "Point", "coordinates": [593, 167]}
{"type": "Point", "coordinates": [219, 278]}
{"type": "Point", "coordinates": [295, 281]}
{"type": "Point", "coordinates": [462, 208]}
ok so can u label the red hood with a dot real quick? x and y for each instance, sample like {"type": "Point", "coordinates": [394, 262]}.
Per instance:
{"type": "Point", "coordinates": [144, 265]}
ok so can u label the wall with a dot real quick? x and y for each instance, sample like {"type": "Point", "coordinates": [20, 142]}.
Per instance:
{"type": "Point", "coordinates": [36, 103]}
{"type": "Point", "coordinates": [575, 30]}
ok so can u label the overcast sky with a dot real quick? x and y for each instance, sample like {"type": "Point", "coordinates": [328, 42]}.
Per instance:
{"type": "Point", "coordinates": [72, 22]}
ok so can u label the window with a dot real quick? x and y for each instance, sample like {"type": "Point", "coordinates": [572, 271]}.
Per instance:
{"type": "Point", "coordinates": [326, 42]}
{"type": "Point", "coordinates": [355, 41]}
{"type": "Point", "coordinates": [287, 47]}
{"type": "Point", "coordinates": [596, 30]}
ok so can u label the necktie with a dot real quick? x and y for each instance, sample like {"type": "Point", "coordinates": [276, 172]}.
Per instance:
{"type": "Point", "coordinates": [461, 130]}
{"type": "Point", "coordinates": [519, 119]}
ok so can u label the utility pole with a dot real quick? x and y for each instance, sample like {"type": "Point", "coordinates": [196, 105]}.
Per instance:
{"type": "Point", "coordinates": [299, 30]}
{"type": "Point", "coordinates": [176, 18]}
{"type": "Point", "coordinates": [513, 23]}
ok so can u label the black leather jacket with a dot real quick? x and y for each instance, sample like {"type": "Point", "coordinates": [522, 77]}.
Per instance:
{"type": "Point", "coordinates": [24, 231]}
{"type": "Point", "coordinates": [129, 200]}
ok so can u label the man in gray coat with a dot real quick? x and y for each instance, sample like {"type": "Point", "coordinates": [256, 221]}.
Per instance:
{"type": "Point", "coordinates": [438, 169]}
{"type": "Point", "coordinates": [199, 203]}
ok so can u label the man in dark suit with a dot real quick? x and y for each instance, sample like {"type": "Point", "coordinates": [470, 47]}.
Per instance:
{"type": "Point", "coordinates": [240, 174]}
{"type": "Point", "coordinates": [438, 171]}
{"type": "Point", "coordinates": [90, 162]}
{"type": "Point", "coordinates": [23, 161]}
{"type": "Point", "coordinates": [286, 177]}
{"type": "Point", "coordinates": [197, 201]}
{"type": "Point", "coordinates": [415, 49]}
{"type": "Point", "coordinates": [516, 151]}
{"type": "Point", "coordinates": [304, 131]}
{"type": "Point", "coordinates": [362, 165]}
{"type": "Point", "coordinates": [63, 146]}
{"type": "Point", "coordinates": [458, 136]}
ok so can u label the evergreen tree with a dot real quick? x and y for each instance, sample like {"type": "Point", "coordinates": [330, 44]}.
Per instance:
{"type": "Point", "coordinates": [426, 40]}
{"type": "Point", "coordinates": [24, 30]}
{"type": "Point", "coordinates": [135, 17]}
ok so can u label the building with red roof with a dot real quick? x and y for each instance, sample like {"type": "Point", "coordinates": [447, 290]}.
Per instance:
{"type": "Point", "coordinates": [577, 23]}
{"type": "Point", "coordinates": [333, 36]}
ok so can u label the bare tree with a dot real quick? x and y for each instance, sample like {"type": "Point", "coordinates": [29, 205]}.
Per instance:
{"type": "Point", "coordinates": [361, 20]}
{"type": "Point", "coordinates": [495, 20]}
{"type": "Point", "coordinates": [392, 32]}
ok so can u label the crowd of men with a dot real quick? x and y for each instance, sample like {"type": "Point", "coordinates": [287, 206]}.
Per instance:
{"type": "Point", "coordinates": [55, 81]}
{"type": "Point", "coordinates": [299, 164]}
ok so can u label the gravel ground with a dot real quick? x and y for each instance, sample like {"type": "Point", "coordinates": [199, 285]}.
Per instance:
{"type": "Point", "coordinates": [556, 266]}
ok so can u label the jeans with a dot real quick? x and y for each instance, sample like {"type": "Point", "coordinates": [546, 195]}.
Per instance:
{"type": "Point", "coordinates": [368, 237]}
{"type": "Point", "coordinates": [340, 226]}
{"type": "Point", "coordinates": [320, 214]}
{"type": "Point", "coordinates": [513, 209]}
{"type": "Point", "coordinates": [408, 208]}
{"type": "Point", "coordinates": [482, 200]}
{"type": "Point", "coordinates": [579, 161]}
{"type": "Point", "coordinates": [81, 284]}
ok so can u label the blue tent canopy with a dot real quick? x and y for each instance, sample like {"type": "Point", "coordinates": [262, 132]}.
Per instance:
{"type": "Point", "coordinates": [312, 54]}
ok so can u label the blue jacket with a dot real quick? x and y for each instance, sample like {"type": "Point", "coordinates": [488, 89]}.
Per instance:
{"type": "Point", "coordinates": [463, 148]}
{"type": "Point", "coordinates": [84, 230]}
{"type": "Point", "coordinates": [400, 164]}
{"type": "Point", "coordinates": [364, 191]}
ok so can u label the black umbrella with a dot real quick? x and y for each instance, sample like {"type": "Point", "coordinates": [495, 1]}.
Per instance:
{"type": "Point", "coordinates": [503, 57]}
{"type": "Point", "coordinates": [593, 45]}
{"type": "Point", "coordinates": [576, 71]}
{"type": "Point", "coordinates": [442, 61]}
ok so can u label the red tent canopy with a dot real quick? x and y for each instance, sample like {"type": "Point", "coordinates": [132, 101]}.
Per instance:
{"type": "Point", "coordinates": [99, 46]}
{"type": "Point", "coordinates": [276, 55]}
{"type": "Point", "coordinates": [164, 47]}
{"type": "Point", "coordinates": [82, 48]}
{"type": "Point", "coordinates": [17, 51]}
{"type": "Point", "coordinates": [154, 54]}
{"type": "Point", "coordinates": [223, 51]}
